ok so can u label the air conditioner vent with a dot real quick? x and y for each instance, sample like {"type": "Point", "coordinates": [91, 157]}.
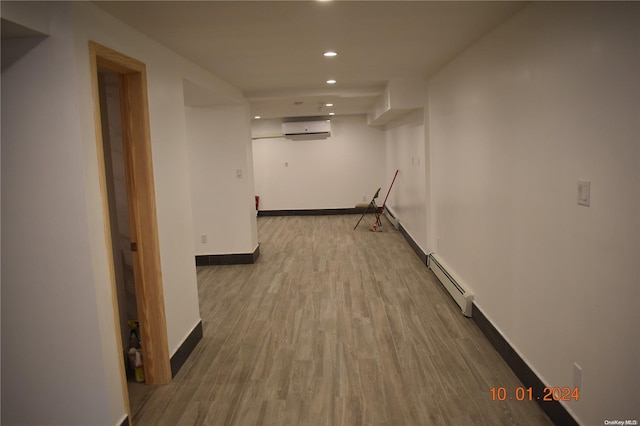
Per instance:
{"type": "Point", "coordinates": [310, 129]}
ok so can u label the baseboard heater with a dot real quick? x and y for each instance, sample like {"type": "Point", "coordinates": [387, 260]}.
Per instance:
{"type": "Point", "coordinates": [463, 298]}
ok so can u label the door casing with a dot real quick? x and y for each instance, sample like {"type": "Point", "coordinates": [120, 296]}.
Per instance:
{"type": "Point", "coordinates": [136, 137]}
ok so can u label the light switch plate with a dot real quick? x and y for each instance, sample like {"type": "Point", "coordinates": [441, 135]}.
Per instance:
{"type": "Point", "coordinates": [584, 192]}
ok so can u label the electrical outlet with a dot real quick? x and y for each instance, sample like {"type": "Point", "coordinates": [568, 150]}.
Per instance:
{"type": "Point", "coordinates": [577, 375]}
{"type": "Point", "coordinates": [203, 238]}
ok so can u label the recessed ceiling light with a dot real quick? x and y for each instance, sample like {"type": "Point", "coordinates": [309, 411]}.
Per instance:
{"type": "Point", "coordinates": [330, 54]}
{"type": "Point", "coordinates": [331, 82]}
{"type": "Point", "coordinates": [332, 113]}
{"type": "Point", "coordinates": [257, 117]}
{"type": "Point", "coordinates": [328, 105]}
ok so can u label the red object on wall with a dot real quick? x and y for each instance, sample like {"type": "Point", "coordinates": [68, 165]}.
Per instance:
{"type": "Point", "coordinates": [257, 201]}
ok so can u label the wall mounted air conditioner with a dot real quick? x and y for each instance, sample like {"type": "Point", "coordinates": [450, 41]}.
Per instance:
{"type": "Point", "coordinates": [308, 129]}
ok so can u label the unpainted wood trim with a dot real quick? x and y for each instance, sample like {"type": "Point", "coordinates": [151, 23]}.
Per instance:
{"type": "Point", "coordinates": [142, 208]}
{"type": "Point", "coordinates": [115, 61]}
{"type": "Point", "coordinates": [143, 222]}
{"type": "Point", "coordinates": [97, 121]}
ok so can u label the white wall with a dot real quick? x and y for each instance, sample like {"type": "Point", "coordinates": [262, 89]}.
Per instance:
{"type": "Point", "coordinates": [337, 172]}
{"type": "Point", "coordinates": [406, 152]}
{"type": "Point", "coordinates": [59, 359]}
{"type": "Point", "coordinates": [52, 358]}
{"type": "Point", "coordinates": [223, 203]}
{"type": "Point", "coordinates": [550, 97]}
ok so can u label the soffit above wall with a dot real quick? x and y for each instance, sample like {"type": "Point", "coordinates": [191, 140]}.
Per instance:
{"type": "Point", "coordinates": [272, 50]}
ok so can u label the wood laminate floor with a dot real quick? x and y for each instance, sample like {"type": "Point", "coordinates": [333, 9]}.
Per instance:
{"type": "Point", "coordinates": [333, 326]}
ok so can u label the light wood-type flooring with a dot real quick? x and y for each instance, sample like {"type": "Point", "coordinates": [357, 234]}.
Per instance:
{"type": "Point", "coordinates": [333, 326]}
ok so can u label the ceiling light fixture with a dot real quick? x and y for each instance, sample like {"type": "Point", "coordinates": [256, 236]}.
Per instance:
{"type": "Point", "coordinates": [330, 54]}
{"type": "Point", "coordinates": [332, 113]}
{"type": "Point", "coordinates": [331, 82]}
{"type": "Point", "coordinates": [257, 117]}
{"type": "Point", "coordinates": [328, 105]}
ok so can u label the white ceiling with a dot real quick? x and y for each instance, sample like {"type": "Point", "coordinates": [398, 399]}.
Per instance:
{"type": "Point", "coordinates": [272, 50]}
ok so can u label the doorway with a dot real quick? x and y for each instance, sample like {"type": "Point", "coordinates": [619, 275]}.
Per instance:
{"type": "Point", "coordinates": [129, 77]}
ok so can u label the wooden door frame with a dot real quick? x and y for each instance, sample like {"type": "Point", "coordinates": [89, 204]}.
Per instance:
{"type": "Point", "coordinates": [132, 81]}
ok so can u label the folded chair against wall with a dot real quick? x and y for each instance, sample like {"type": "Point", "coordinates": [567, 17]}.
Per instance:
{"type": "Point", "coordinates": [372, 206]}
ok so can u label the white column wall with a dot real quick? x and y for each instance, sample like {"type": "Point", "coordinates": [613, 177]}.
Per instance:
{"type": "Point", "coordinates": [223, 203]}
{"type": "Point", "coordinates": [550, 97]}
{"type": "Point", "coordinates": [405, 152]}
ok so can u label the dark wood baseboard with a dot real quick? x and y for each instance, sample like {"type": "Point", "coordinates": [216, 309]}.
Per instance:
{"type": "Point", "coordinates": [228, 259]}
{"type": "Point", "coordinates": [554, 409]}
{"type": "Point", "coordinates": [182, 354]}
{"type": "Point", "coordinates": [416, 248]}
{"type": "Point", "coordinates": [312, 212]}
